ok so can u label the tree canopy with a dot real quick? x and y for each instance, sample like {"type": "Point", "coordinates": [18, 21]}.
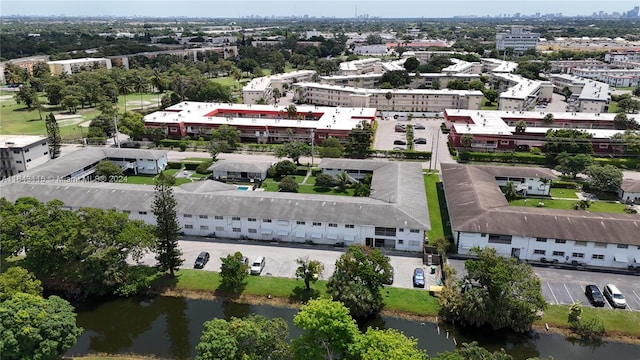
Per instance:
{"type": "Point", "coordinates": [496, 291]}
{"type": "Point", "coordinates": [358, 277]}
{"type": "Point", "coordinates": [18, 280]}
{"type": "Point", "coordinates": [359, 140]}
{"type": "Point", "coordinates": [233, 272]}
{"type": "Point", "coordinates": [603, 178]}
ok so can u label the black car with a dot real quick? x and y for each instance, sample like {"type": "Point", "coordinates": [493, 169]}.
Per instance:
{"type": "Point", "coordinates": [594, 295]}
{"type": "Point", "coordinates": [399, 142]}
{"type": "Point", "coordinates": [419, 141]}
{"type": "Point", "coordinates": [201, 260]}
{"type": "Point", "coordinates": [418, 127]}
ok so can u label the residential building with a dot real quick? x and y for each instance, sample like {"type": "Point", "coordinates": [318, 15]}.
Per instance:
{"type": "Point", "coordinates": [519, 93]}
{"type": "Point", "coordinates": [463, 67]}
{"type": "Point", "coordinates": [629, 191]}
{"type": "Point", "coordinates": [587, 95]}
{"type": "Point", "coordinates": [517, 39]}
{"type": "Point", "coordinates": [259, 123]}
{"type": "Point", "coordinates": [496, 130]}
{"type": "Point", "coordinates": [19, 153]}
{"type": "Point", "coordinates": [362, 66]}
{"type": "Point", "coordinates": [480, 216]}
{"type": "Point", "coordinates": [402, 100]}
{"type": "Point", "coordinates": [74, 66]}
{"type": "Point", "coordinates": [262, 88]}
{"type": "Point", "coordinates": [246, 171]}
{"type": "Point", "coordinates": [26, 63]}
{"type": "Point", "coordinates": [498, 66]}
{"type": "Point", "coordinates": [614, 77]}
{"type": "Point", "coordinates": [395, 216]}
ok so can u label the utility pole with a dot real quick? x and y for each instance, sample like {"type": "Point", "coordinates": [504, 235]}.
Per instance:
{"type": "Point", "coordinates": [115, 136]}
{"type": "Point", "coordinates": [313, 136]}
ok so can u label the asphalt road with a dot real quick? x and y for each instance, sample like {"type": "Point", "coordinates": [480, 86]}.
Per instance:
{"type": "Point", "coordinates": [281, 258]}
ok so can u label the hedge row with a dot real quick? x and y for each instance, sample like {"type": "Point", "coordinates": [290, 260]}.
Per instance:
{"type": "Point", "coordinates": [564, 184]}
{"type": "Point", "coordinates": [619, 163]}
{"type": "Point", "coordinates": [506, 157]}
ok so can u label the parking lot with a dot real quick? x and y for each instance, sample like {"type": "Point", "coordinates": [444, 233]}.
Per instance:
{"type": "Point", "coordinates": [281, 259]}
{"type": "Point", "coordinates": [386, 134]}
{"type": "Point", "coordinates": [566, 287]}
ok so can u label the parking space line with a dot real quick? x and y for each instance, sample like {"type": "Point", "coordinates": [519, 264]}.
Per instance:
{"type": "Point", "coordinates": [554, 295]}
{"type": "Point", "coordinates": [570, 297]}
{"type": "Point", "coordinates": [634, 293]}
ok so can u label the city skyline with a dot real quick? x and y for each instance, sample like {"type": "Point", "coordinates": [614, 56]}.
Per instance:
{"type": "Point", "coordinates": [311, 8]}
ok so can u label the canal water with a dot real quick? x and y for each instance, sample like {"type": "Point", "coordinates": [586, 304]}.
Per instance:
{"type": "Point", "coordinates": [170, 327]}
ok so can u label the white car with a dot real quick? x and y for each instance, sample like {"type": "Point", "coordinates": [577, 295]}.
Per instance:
{"type": "Point", "coordinates": [614, 296]}
{"type": "Point", "coordinates": [257, 265]}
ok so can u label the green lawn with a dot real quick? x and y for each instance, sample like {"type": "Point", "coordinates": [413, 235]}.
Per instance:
{"type": "Point", "coordinates": [615, 321]}
{"type": "Point", "coordinates": [564, 193]}
{"type": "Point", "coordinates": [17, 119]}
{"type": "Point", "coordinates": [150, 179]}
{"type": "Point", "coordinates": [437, 209]}
{"type": "Point", "coordinates": [596, 206]}
{"type": "Point", "coordinates": [488, 107]}
{"type": "Point", "coordinates": [271, 185]}
{"type": "Point", "coordinates": [613, 107]}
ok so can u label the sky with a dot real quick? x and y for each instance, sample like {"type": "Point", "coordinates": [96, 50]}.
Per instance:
{"type": "Point", "coordinates": [330, 8]}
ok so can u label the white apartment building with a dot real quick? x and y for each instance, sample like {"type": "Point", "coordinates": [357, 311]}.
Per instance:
{"type": "Point", "coordinates": [463, 67]}
{"type": "Point", "coordinates": [588, 95]}
{"type": "Point", "coordinates": [481, 216]}
{"type": "Point", "coordinates": [262, 87]}
{"type": "Point", "coordinates": [402, 100]}
{"type": "Point", "coordinates": [519, 93]}
{"type": "Point", "coordinates": [73, 66]}
{"type": "Point", "coordinates": [518, 39]}
{"type": "Point", "coordinates": [498, 66]}
{"type": "Point", "coordinates": [613, 77]}
{"type": "Point", "coordinates": [395, 216]}
{"type": "Point", "coordinates": [362, 66]}
{"type": "Point", "coordinates": [19, 153]}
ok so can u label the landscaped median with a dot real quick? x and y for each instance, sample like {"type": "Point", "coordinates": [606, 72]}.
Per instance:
{"type": "Point", "coordinates": [619, 324]}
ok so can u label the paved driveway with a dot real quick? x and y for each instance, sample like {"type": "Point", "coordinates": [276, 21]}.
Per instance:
{"type": "Point", "coordinates": [566, 287]}
{"type": "Point", "coordinates": [281, 259]}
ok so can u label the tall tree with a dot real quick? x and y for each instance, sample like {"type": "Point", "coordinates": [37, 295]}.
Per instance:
{"type": "Point", "coordinates": [293, 150]}
{"type": "Point", "coordinates": [359, 140]}
{"type": "Point", "coordinates": [521, 127]}
{"type": "Point", "coordinates": [18, 280]}
{"type": "Point", "coordinates": [27, 95]}
{"type": "Point", "coordinates": [309, 271]}
{"type": "Point", "coordinates": [358, 277]}
{"type": "Point", "coordinates": [467, 140]}
{"type": "Point", "coordinates": [37, 328]}
{"type": "Point", "coordinates": [233, 272]}
{"type": "Point", "coordinates": [328, 331]}
{"type": "Point", "coordinates": [254, 337]}
{"type": "Point", "coordinates": [53, 132]}
{"type": "Point", "coordinates": [388, 344]}
{"type": "Point", "coordinates": [167, 226]}
{"type": "Point", "coordinates": [604, 178]}
{"type": "Point", "coordinates": [510, 191]}
{"type": "Point", "coordinates": [496, 291]}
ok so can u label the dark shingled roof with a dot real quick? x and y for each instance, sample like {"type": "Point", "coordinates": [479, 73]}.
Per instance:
{"type": "Point", "coordinates": [630, 185]}
{"type": "Point", "coordinates": [477, 205]}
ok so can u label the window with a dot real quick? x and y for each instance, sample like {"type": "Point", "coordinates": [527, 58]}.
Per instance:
{"type": "Point", "coordinates": [219, 228]}
{"type": "Point", "coordinates": [401, 230]}
{"type": "Point", "coordinates": [561, 241]}
{"type": "Point", "coordinates": [580, 243]}
{"type": "Point", "coordinates": [203, 216]}
{"type": "Point", "coordinates": [504, 142]}
{"type": "Point", "coordinates": [188, 226]}
{"type": "Point", "coordinates": [541, 239]}
{"type": "Point", "coordinates": [414, 243]}
{"type": "Point", "coordinates": [400, 242]}
{"type": "Point", "coordinates": [218, 217]}
{"type": "Point", "coordinates": [253, 231]}
{"type": "Point", "coordinates": [333, 225]}
{"type": "Point", "coordinates": [187, 215]}
{"type": "Point", "coordinates": [558, 253]}
{"type": "Point", "coordinates": [300, 222]}
{"type": "Point", "coordinates": [251, 219]}
{"type": "Point", "coordinates": [317, 223]}
{"type": "Point", "coordinates": [142, 212]}
{"type": "Point", "coordinates": [383, 231]}
{"type": "Point", "coordinates": [414, 231]}
{"type": "Point", "coordinates": [19, 161]}
{"type": "Point", "coordinates": [266, 220]}
{"type": "Point", "coordinates": [600, 245]}
{"type": "Point", "coordinates": [235, 218]}
{"type": "Point", "coordinates": [539, 252]}
{"type": "Point", "coordinates": [236, 230]}
{"type": "Point", "coordinates": [204, 227]}
{"type": "Point", "coordinates": [348, 226]}
{"type": "Point", "coordinates": [126, 211]}
{"type": "Point", "coordinates": [499, 239]}
{"type": "Point", "coordinates": [577, 255]}
{"type": "Point", "coordinates": [623, 246]}
{"type": "Point", "coordinates": [597, 257]}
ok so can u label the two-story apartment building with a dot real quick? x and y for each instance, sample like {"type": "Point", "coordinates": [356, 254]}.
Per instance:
{"type": "Point", "coordinates": [19, 153]}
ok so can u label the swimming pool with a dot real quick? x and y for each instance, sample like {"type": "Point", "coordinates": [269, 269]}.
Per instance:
{"type": "Point", "coordinates": [242, 188]}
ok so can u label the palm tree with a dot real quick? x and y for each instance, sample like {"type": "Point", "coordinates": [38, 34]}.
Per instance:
{"type": "Point", "coordinates": [548, 119]}
{"type": "Point", "coordinates": [342, 180]}
{"type": "Point", "coordinates": [510, 191]}
{"type": "Point", "coordinates": [388, 96]}
{"type": "Point", "coordinates": [581, 205]}
{"type": "Point", "coordinates": [467, 140]}
{"type": "Point", "coordinates": [521, 127]}
{"type": "Point", "coordinates": [544, 182]}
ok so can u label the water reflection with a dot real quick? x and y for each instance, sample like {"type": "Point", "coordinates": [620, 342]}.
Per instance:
{"type": "Point", "coordinates": [170, 328]}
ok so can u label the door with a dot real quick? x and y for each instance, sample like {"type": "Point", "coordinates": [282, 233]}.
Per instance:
{"type": "Point", "coordinates": [515, 253]}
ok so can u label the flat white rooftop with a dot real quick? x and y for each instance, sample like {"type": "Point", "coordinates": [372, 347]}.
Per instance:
{"type": "Point", "coordinates": [7, 141]}
{"type": "Point", "coordinates": [75, 61]}
{"type": "Point", "coordinates": [361, 91]}
{"type": "Point", "coordinates": [218, 113]}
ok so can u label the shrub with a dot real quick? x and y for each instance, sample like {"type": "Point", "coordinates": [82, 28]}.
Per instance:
{"type": "Point", "coordinates": [316, 171]}
{"type": "Point", "coordinates": [191, 165]}
{"type": "Point", "coordinates": [282, 168]}
{"type": "Point", "coordinates": [564, 184]}
{"type": "Point", "coordinates": [507, 157]}
{"type": "Point", "coordinates": [202, 167]}
{"type": "Point", "coordinates": [174, 165]}
{"type": "Point", "coordinates": [324, 181]}
{"type": "Point", "coordinates": [301, 171]}
{"type": "Point", "coordinates": [183, 145]}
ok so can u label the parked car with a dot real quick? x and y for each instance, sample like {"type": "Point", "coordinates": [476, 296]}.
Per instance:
{"type": "Point", "coordinates": [201, 260]}
{"type": "Point", "coordinates": [400, 128]}
{"type": "Point", "coordinates": [389, 279]}
{"type": "Point", "coordinates": [614, 296]}
{"type": "Point", "coordinates": [399, 142]}
{"type": "Point", "coordinates": [419, 141]}
{"type": "Point", "coordinates": [257, 265]}
{"type": "Point", "coordinates": [244, 261]}
{"type": "Point", "coordinates": [398, 148]}
{"type": "Point", "coordinates": [418, 277]}
{"type": "Point", "coordinates": [418, 126]}
{"type": "Point", "coordinates": [594, 295]}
